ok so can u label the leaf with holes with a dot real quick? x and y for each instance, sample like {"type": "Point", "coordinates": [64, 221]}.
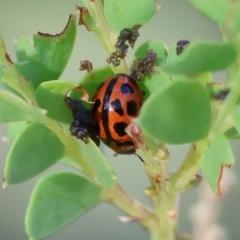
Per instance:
{"type": "Point", "coordinates": [50, 56]}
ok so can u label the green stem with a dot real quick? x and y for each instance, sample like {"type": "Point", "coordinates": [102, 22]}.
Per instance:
{"type": "Point", "coordinates": [161, 192]}
{"type": "Point", "coordinates": [105, 34]}
{"type": "Point", "coordinates": [72, 148]}
{"type": "Point", "coordinates": [190, 166]}
{"type": "Point", "coordinates": [123, 201]}
{"type": "Point", "coordinates": [227, 105]}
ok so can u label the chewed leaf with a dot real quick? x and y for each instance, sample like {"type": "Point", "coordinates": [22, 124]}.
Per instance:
{"type": "Point", "coordinates": [57, 199]}
{"type": "Point", "coordinates": [202, 57]}
{"type": "Point", "coordinates": [24, 46]}
{"type": "Point", "coordinates": [217, 156]}
{"type": "Point", "coordinates": [36, 149]}
{"type": "Point", "coordinates": [125, 14]}
{"type": "Point", "coordinates": [50, 55]}
{"type": "Point", "coordinates": [170, 114]}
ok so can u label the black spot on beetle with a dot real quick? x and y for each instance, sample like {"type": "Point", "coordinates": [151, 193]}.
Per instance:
{"type": "Point", "coordinates": [131, 108]}
{"type": "Point", "coordinates": [117, 106]}
{"type": "Point", "coordinates": [119, 128]}
{"type": "Point", "coordinates": [126, 88]}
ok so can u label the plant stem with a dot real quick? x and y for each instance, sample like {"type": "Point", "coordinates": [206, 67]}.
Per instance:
{"type": "Point", "coordinates": [190, 166]}
{"type": "Point", "coordinates": [161, 192]}
{"type": "Point", "coordinates": [123, 201]}
{"type": "Point", "coordinates": [228, 104]}
{"type": "Point", "coordinates": [103, 31]}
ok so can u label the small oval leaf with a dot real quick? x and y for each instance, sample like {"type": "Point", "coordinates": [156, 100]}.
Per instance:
{"type": "Point", "coordinates": [35, 150]}
{"type": "Point", "coordinates": [202, 57]}
{"type": "Point", "coordinates": [57, 199]}
{"type": "Point", "coordinates": [125, 14]}
{"type": "Point", "coordinates": [50, 96]}
{"type": "Point", "coordinates": [218, 155]}
{"type": "Point", "coordinates": [179, 113]}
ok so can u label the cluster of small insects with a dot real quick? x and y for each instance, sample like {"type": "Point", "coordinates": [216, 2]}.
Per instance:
{"type": "Point", "coordinates": [126, 35]}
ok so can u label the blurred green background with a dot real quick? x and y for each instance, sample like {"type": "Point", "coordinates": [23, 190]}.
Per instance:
{"type": "Point", "coordinates": [177, 20]}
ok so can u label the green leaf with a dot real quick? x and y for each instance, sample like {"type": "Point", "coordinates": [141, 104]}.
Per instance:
{"type": "Point", "coordinates": [35, 150]}
{"type": "Point", "coordinates": [216, 10]}
{"type": "Point", "coordinates": [50, 96]}
{"type": "Point", "coordinates": [91, 160]}
{"type": "Point", "coordinates": [15, 129]}
{"type": "Point", "coordinates": [232, 134]}
{"type": "Point", "coordinates": [179, 113]}
{"type": "Point", "coordinates": [153, 82]}
{"type": "Point", "coordinates": [13, 108]}
{"type": "Point", "coordinates": [57, 199]}
{"type": "Point", "coordinates": [202, 57]}
{"type": "Point", "coordinates": [155, 45]}
{"type": "Point", "coordinates": [91, 81]}
{"type": "Point", "coordinates": [236, 117]}
{"type": "Point", "coordinates": [11, 79]}
{"type": "Point", "coordinates": [50, 56]}
{"type": "Point", "coordinates": [24, 46]}
{"type": "Point", "coordinates": [125, 14]}
{"type": "Point", "coordinates": [102, 169]}
{"type": "Point", "coordinates": [218, 155]}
